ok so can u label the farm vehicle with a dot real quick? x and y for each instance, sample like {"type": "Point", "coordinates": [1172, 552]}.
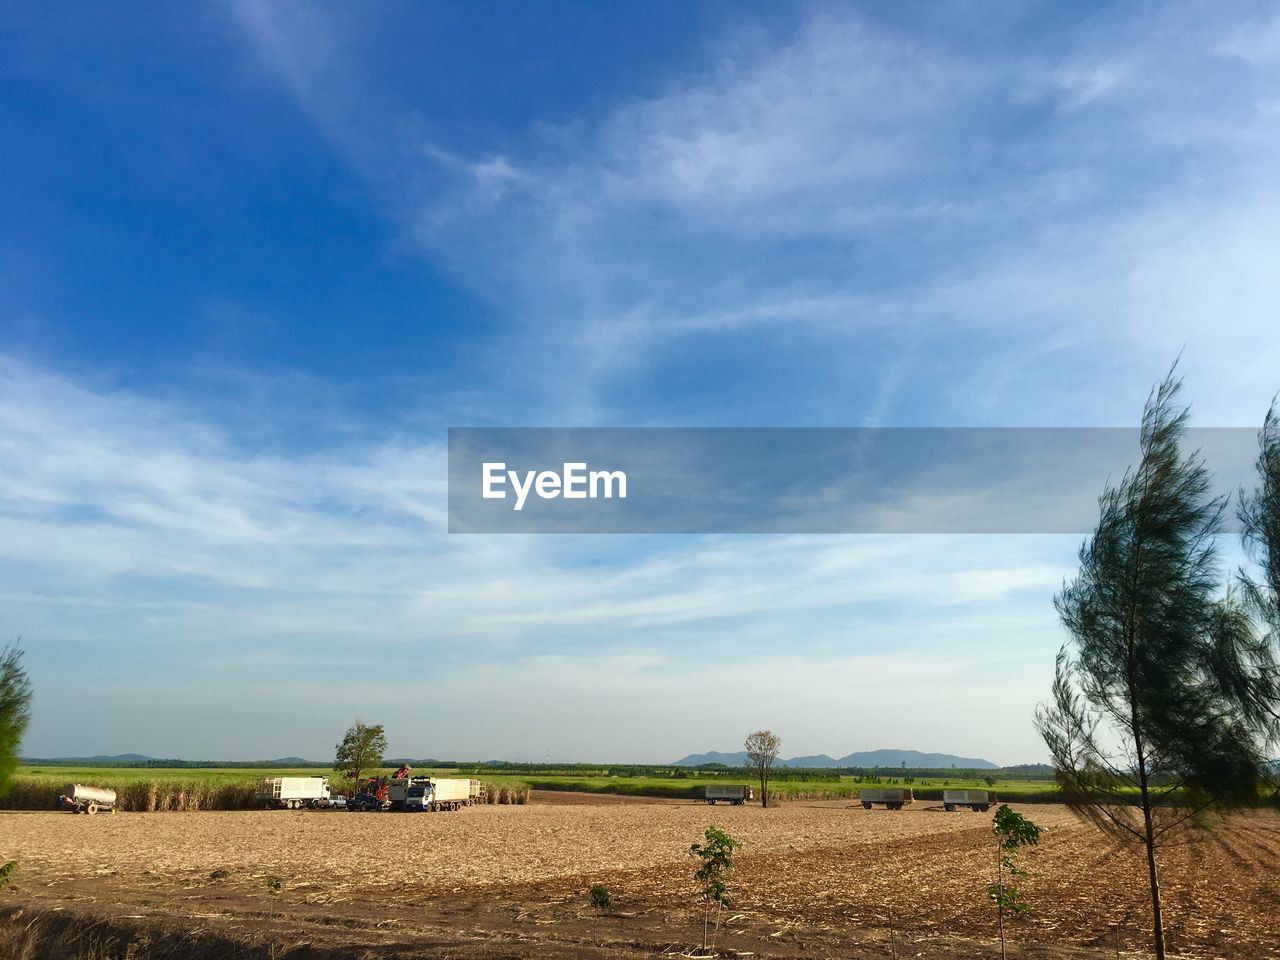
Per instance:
{"type": "Point", "coordinates": [891, 798]}
{"type": "Point", "coordinates": [416, 794]}
{"type": "Point", "coordinates": [80, 798]}
{"type": "Point", "coordinates": [293, 793]}
{"type": "Point", "coordinates": [977, 800]}
{"type": "Point", "coordinates": [734, 794]}
{"type": "Point", "coordinates": [438, 794]}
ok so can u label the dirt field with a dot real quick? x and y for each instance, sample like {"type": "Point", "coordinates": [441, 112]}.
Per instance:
{"type": "Point", "coordinates": [813, 879]}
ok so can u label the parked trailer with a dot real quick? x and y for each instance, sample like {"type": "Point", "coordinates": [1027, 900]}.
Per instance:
{"type": "Point", "coordinates": [979, 800]}
{"type": "Point", "coordinates": [733, 793]}
{"type": "Point", "coordinates": [293, 793]}
{"type": "Point", "coordinates": [80, 798]}
{"type": "Point", "coordinates": [439, 794]}
{"type": "Point", "coordinates": [891, 797]}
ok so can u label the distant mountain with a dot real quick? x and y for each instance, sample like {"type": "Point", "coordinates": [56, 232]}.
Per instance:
{"type": "Point", "coordinates": [141, 760]}
{"type": "Point", "coordinates": [98, 761]}
{"type": "Point", "coordinates": [870, 758]}
{"type": "Point", "coordinates": [738, 759]}
{"type": "Point", "coordinates": [813, 763]}
{"type": "Point", "coordinates": [916, 759]}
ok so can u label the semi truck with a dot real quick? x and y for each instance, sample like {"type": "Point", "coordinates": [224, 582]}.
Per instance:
{"type": "Point", "coordinates": [438, 794]}
{"type": "Point", "coordinates": [80, 798]}
{"type": "Point", "coordinates": [891, 797]}
{"type": "Point", "coordinates": [293, 793]}
{"type": "Point", "coordinates": [978, 800]}
{"type": "Point", "coordinates": [733, 793]}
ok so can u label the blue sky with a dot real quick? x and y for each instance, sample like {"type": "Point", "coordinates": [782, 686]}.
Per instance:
{"type": "Point", "coordinates": [256, 258]}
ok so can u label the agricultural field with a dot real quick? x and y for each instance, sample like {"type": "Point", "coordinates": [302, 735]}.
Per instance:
{"type": "Point", "coordinates": [185, 789]}
{"type": "Point", "coordinates": [813, 878]}
{"type": "Point", "coordinates": [231, 788]}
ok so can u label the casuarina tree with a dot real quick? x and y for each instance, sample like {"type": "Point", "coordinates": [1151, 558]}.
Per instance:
{"type": "Point", "coordinates": [1163, 696]}
{"type": "Point", "coordinates": [1260, 517]}
{"type": "Point", "coordinates": [762, 750]}
{"type": "Point", "coordinates": [15, 711]}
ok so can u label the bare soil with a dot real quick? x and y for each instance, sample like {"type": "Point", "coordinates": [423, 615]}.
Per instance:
{"type": "Point", "coordinates": [812, 879]}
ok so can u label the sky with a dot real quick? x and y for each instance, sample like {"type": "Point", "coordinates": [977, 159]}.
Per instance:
{"type": "Point", "coordinates": [256, 258]}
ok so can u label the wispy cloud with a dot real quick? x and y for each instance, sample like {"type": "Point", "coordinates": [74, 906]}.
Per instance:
{"type": "Point", "coordinates": [1060, 214]}
{"type": "Point", "coordinates": [133, 524]}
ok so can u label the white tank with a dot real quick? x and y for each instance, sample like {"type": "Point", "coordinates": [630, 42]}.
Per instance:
{"type": "Point", "coordinates": [82, 794]}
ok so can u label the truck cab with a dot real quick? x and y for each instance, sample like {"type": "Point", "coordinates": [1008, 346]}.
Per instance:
{"type": "Point", "coordinates": [417, 797]}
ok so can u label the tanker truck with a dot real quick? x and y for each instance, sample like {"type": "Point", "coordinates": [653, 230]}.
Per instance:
{"type": "Point", "coordinates": [82, 799]}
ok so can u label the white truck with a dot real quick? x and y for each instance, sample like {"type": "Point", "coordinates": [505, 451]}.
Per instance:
{"type": "Point", "coordinates": [891, 797]}
{"type": "Point", "coordinates": [398, 790]}
{"type": "Point", "coordinates": [293, 793]}
{"type": "Point", "coordinates": [80, 798]}
{"type": "Point", "coordinates": [733, 793]}
{"type": "Point", "coordinates": [438, 794]}
{"type": "Point", "coordinates": [978, 800]}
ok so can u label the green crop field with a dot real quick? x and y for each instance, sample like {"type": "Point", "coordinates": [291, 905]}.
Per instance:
{"type": "Point", "coordinates": [926, 788]}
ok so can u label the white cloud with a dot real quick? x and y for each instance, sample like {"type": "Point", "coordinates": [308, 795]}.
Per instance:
{"type": "Point", "coordinates": [1059, 220]}
{"type": "Point", "coordinates": [139, 542]}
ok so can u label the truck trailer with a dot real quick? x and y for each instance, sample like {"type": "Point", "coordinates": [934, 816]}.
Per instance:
{"type": "Point", "coordinates": [978, 800]}
{"type": "Point", "coordinates": [438, 794]}
{"type": "Point", "coordinates": [80, 798]}
{"type": "Point", "coordinates": [891, 797]}
{"type": "Point", "coordinates": [733, 793]}
{"type": "Point", "coordinates": [293, 793]}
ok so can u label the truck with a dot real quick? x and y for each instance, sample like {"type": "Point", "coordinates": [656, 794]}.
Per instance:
{"type": "Point", "coordinates": [978, 800]}
{"type": "Point", "coordinates": [438, 794]}
{"type": "Point", "coordinates": [398, 790]}
{"type": "Point", "coordinates": [80, 798]}
{"type": "Point", "coordinates": [293, 793]}
{"type": "Point", "coordinates": [733, 793]}
{"type": "Point", "coordinates": [891, 797]}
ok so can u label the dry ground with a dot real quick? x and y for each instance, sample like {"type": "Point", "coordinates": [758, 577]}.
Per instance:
{"type": "Point", "coordinates": [813, 879]}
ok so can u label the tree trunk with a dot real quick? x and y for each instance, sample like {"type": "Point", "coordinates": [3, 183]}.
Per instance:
{"type": "Point", "coordinates": [1154, 876]}
{"type": "Point", "coordinates": [1000, 897]}
{"type": "Point", "coordinates": [1149, 841]}
{"type": "Point", "coordinates": [764, 788]}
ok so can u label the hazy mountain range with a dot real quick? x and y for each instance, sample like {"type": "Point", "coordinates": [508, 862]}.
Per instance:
{"type": "Point", "coordinates": [867, 758]}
